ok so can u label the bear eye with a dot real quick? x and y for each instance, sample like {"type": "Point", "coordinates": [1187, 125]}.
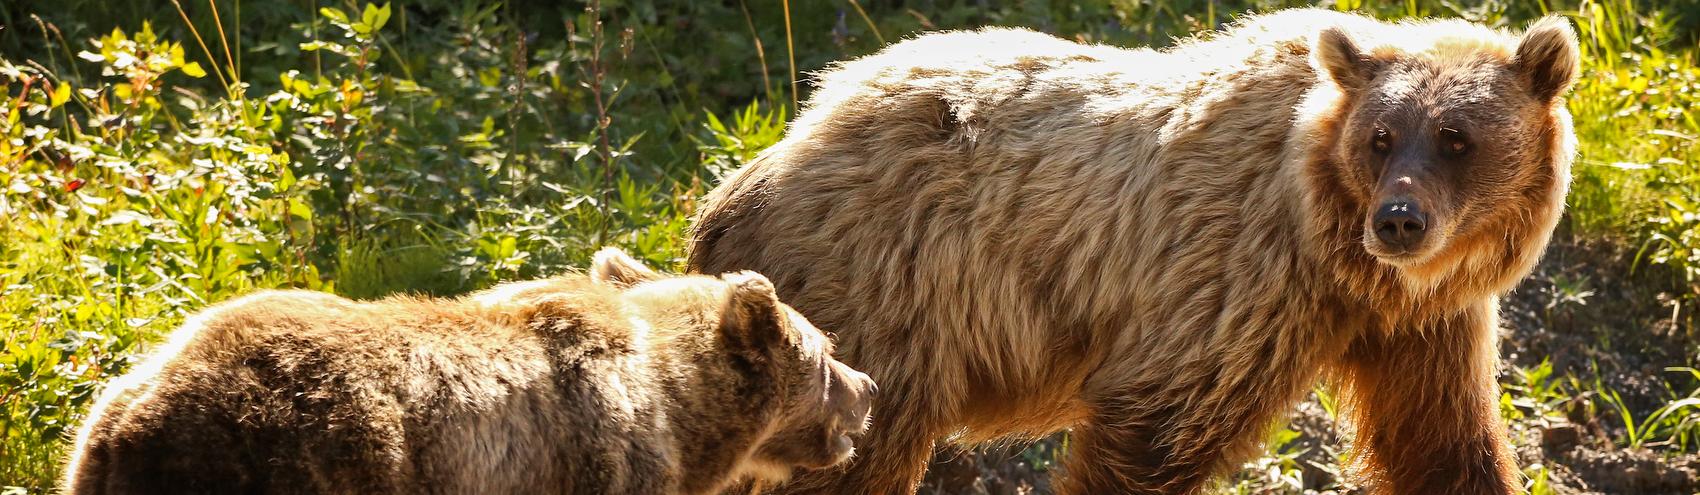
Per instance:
{"type": "Point", "coordinates": [1381, 142]}
{"type": "Point", "coordinates": [1453, 141]}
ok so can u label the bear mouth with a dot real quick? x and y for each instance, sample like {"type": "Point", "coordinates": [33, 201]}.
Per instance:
{"type": "Point", "coordinates": [841, 435]}
{"type": "Point", "coordinates": [1397, 256]}
{"type": "Point", "coordinates": [1392, 256]}
{"type": "Point", "coordinates": [842, 447]}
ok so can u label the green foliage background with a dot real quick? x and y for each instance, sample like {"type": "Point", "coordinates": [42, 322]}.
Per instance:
{"type": "Point", "coordinates": [158, 156]}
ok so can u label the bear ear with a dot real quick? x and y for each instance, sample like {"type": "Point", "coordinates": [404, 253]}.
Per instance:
{"type": "Point", "coordinates": [1548, 57]}
{"type": "Point", "coordinates": [1340, 58]}
{"type": "Point", "coordinates": [614, 267]}
{"type": "Point", "coordinates": [752, 317]}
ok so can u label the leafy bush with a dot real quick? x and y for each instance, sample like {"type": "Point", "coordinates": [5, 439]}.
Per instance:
{"type": "Point", "coordinates": [134, 198]}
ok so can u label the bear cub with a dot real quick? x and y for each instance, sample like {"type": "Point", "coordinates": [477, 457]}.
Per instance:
{"type": "Point", "coordinates": [622, 381]}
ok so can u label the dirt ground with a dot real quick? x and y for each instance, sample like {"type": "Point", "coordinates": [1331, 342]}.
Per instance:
{"type": "Point", "coordinates": [1580, 311]}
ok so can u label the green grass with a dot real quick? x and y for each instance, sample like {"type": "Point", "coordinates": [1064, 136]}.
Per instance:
{"type": "Point", "coordinates": [154, 160]}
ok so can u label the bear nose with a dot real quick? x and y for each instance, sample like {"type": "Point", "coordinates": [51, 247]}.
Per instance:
{"type": "Point", "coordinates": [1399, 224]}
{"type": "Point", "coordinates": [864, 385]}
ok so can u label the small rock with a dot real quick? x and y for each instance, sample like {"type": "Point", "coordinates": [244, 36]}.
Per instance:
{"type": "Point", "coordinates": [1560, 437]}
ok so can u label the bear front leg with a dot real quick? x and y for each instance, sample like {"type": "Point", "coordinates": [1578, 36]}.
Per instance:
{"type": "Point", "coordinates": [1425, 406]}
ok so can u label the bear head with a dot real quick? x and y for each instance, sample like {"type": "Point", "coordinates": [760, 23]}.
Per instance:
{"type": "Point", "coordinates": [753, 349]}
{"type": "Point", "coordinates": [1451, 136]}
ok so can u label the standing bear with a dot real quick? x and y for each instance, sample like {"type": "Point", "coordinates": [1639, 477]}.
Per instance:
{"type": "Point", "coordinates": [625, 381]}
{"type": "Point", "coordinates": [1163, 250]}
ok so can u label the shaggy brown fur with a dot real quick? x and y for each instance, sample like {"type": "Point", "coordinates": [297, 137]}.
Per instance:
{"type": "Point", "coordinates": [622, 382]}
{"type": "Point", "coordinates": [1164, 250]}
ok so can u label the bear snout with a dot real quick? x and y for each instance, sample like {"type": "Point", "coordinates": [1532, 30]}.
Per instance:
{"type": "Point", "coordinates": [1400, 224]}
{"type": "Point", "coordinates": [853, 392]}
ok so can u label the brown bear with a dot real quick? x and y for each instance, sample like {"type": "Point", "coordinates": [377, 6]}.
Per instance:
{"type": "Point", "coordinates": [625, 381]}
{"type": "Point", "coordinates": [1163, 250]}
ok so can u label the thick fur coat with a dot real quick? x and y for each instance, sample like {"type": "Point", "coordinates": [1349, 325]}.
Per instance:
{"type": "Point", "coordinates": [625, 381]}
{"type": "Point", "coordinates": [1164, 250]}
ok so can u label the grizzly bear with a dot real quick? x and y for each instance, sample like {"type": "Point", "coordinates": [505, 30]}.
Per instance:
{"type": "Point", "coordinates": [625, 381]}
{"type": "Point", "coordinates": [1162, 251]}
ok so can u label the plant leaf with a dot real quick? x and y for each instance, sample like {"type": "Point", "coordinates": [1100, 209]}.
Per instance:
{"type": "Point", "coordinates": [334, 14]}
{"type": "Point", "coordinates": [193, 69]}
{"type": "Point", "coordinates": [61, 94]}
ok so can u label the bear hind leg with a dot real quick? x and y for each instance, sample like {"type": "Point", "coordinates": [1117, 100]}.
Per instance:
{"type": "Point", "coordinates": [1131, 448]}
